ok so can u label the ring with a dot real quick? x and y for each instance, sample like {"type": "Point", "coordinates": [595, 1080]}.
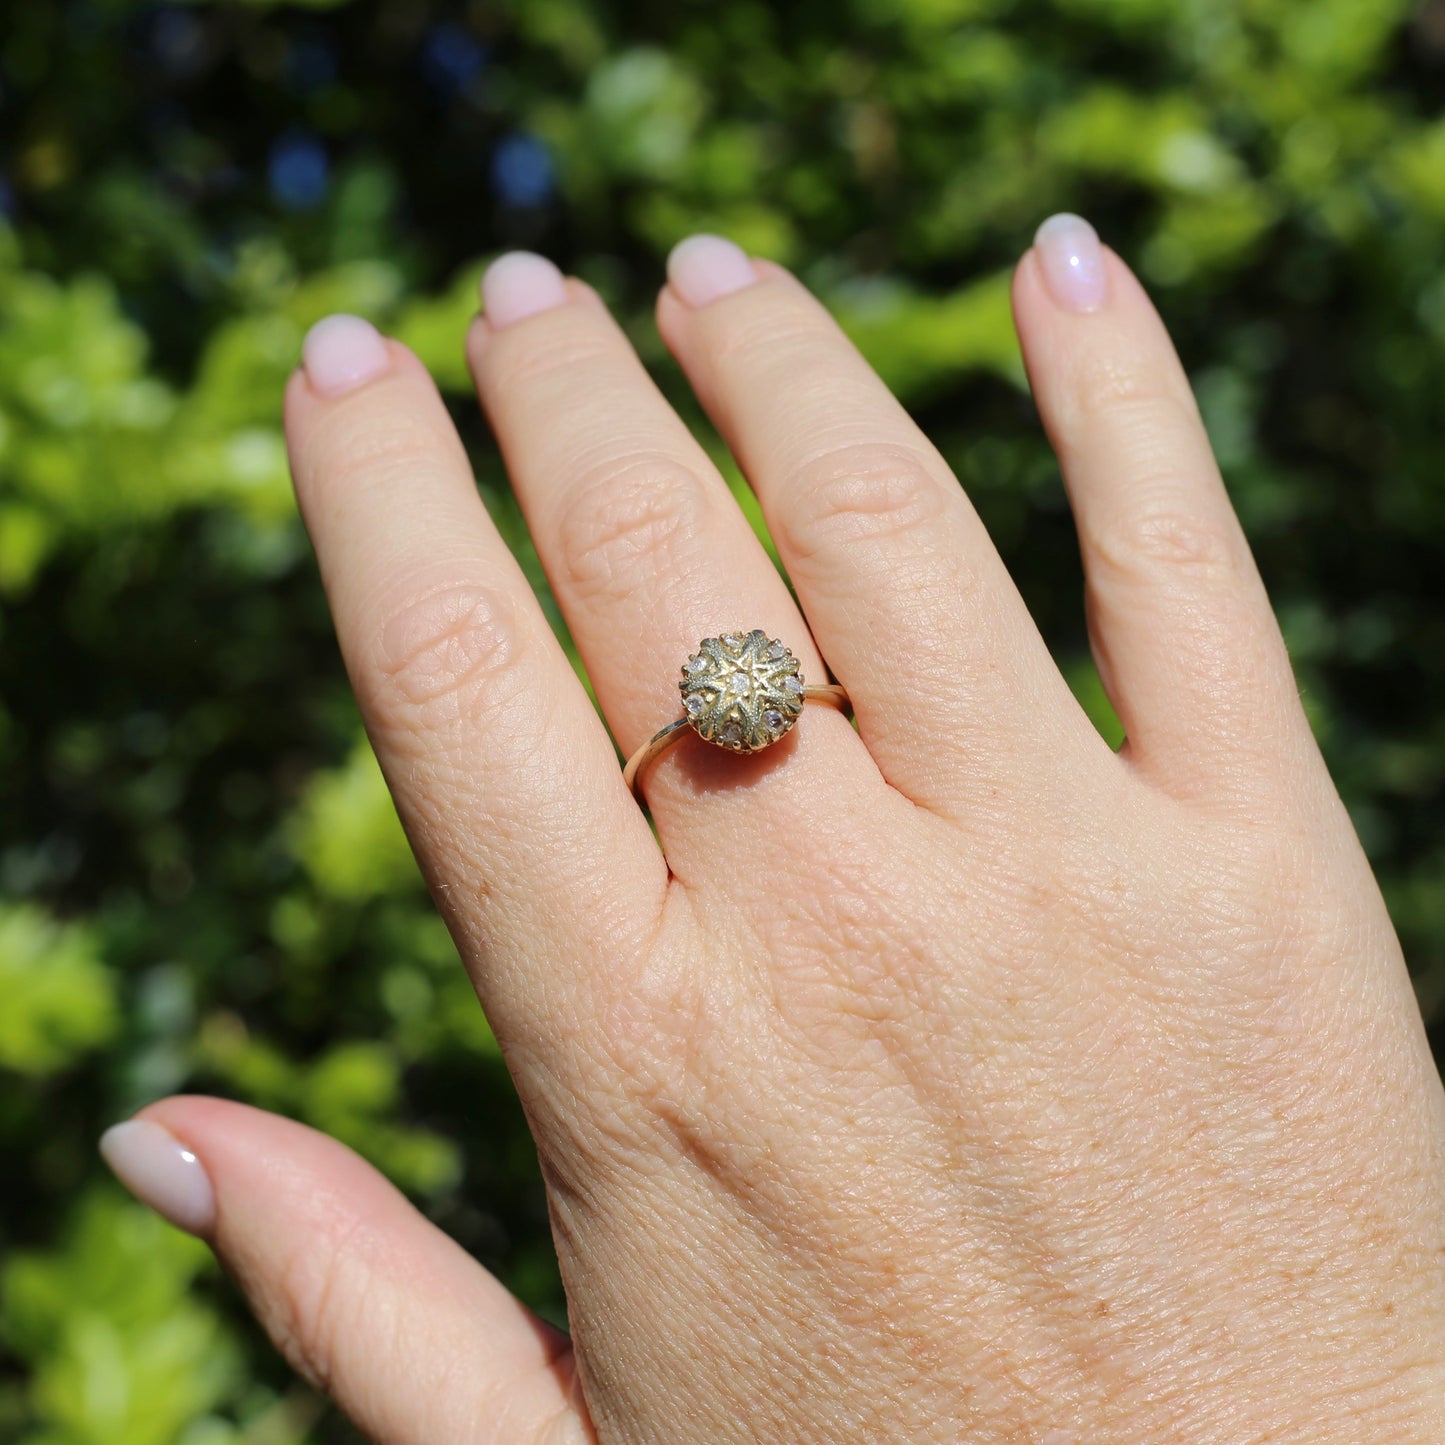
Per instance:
{"type": "Point", "coordinates": [741, 691]}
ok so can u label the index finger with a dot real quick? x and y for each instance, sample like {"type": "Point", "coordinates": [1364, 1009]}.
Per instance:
{"type": "Point", "coordinates": [503, 773]}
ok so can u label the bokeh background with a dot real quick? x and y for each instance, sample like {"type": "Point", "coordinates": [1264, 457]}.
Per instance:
{"type": "Point", "coordinates": [202, 883]}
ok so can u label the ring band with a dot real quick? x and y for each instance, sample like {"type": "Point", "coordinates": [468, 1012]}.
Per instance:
{"type": "Point", "coordinates": [741, 691]}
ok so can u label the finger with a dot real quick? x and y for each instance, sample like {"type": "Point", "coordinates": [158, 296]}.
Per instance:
{"type": "Point", "coordinates": [1186, 642]}
{"type": "Point", "coordinates": [905, 592]}
{"type": "Point", "coordinates": [501, 769]}
{"type": "Point", "coordinates": [372, 1303]}
{"type": "Point", "coordinates": [645, 547]}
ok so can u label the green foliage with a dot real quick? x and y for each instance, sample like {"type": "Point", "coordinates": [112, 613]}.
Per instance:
{"type": "Point", "coordinates": [918, 343]}
{"type": "Point", "coordinates": [203, 883]}
{"type": "Point", "coordinates": [119, 1346]}
{"type": "Point", "coordinates": [348, 837]}
{"type": "Point", "coordinates": [59, 996]}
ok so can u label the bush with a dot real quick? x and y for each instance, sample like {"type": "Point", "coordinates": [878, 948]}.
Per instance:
{"type": "Point", "coordinates": [202, 882]}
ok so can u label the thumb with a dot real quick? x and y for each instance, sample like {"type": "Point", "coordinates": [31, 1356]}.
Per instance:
{"type": "Point", "coordinates": [410, 1336]}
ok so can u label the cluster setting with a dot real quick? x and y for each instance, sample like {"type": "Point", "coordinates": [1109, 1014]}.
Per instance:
{"type": "Point", "coordinates": [742, 691]}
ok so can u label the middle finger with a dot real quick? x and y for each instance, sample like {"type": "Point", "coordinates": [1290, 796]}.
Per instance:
{"type": "Point", "coordinates": [951, 681]}
{"type": "Point", "coordinates": [644, 546]}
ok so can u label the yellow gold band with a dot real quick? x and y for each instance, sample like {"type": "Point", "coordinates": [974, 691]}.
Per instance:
{"type": "Point", "coordinates": [659, 742]}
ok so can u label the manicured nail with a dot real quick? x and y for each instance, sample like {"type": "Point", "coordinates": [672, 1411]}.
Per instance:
{"type": "Point", "coordinates": [1073, 262]}
{"type": "Point", "coordinates": [161, 1172]}
{"type": "Point", "coordinates": [342, 353]}
{"type": "Point", "coordinates": [520, 284]}
{"type": "Point", "coordinates": [702, 268]}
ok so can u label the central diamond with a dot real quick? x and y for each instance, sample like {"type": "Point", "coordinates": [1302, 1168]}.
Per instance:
{"type": "Point", "coordinates": [742, 691]}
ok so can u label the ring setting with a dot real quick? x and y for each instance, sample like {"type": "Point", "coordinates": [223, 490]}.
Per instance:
{"type": "Point", "coordinates": [741, 691]}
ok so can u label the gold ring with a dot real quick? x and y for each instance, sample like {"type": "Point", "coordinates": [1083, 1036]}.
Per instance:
{"type": "Point", "coordinates": [741, 691]}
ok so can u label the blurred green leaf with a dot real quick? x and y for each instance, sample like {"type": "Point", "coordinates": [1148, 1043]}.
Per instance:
{"type": "Point", "coordinates": [917, 342]}
{"type": "Point", "coordinates": [60, 998]}
{"type": "Point", "coordinates": [347, 833]}
{"type": "Point", "coordinates": [123, 1354]}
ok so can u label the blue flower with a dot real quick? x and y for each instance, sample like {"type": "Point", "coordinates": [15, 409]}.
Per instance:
{"type": "Point", "coordinates": [522, 173]}
{"type": "Point", "coordinates": [450, 58]}
{"type": "Point", "coordinates": [299, 172]}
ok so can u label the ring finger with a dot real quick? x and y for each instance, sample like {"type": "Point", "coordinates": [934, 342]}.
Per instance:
{"type": "Point", "coordinates": [644, 546]}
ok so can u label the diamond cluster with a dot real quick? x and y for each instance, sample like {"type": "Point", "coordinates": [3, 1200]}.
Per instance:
{"type": "Point", "coordinates": [742, 690]}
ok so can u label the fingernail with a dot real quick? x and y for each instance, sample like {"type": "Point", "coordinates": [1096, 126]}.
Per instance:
{"type": "Point", "coordinates": [1073, 262]}
{"type": "Point", "coordinates": [702, 268]}
{"type": "Point", "coordinates": [342, 353]}
{"type": "Point", "coordinates": [520, 284]}
{"type": "Point", "coordinates": [161, 1172]}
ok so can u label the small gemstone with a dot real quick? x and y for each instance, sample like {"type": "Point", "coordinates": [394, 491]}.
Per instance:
{"type": "Point", "coordinates": [773, 720]}
{"type": "Point", "coordinates": [774, 651]}
{"type": "Point", "coordinates": [732, 734]}
{"type": "Point", "coordinates": [695, 664]}
{"type": "Point", "coordinates": [695, 704]}
{"type": "Point", "coordinates": [793, 685]}
{"type": "Point", "coordinates": [740, 682]}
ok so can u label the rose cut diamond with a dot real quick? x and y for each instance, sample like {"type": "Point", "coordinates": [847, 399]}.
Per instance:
{"type": "Point", "coordinates": [741, 690]}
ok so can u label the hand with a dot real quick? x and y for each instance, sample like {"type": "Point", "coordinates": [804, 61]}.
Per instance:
{"type": "Point", "coordinates": [951, 1078]}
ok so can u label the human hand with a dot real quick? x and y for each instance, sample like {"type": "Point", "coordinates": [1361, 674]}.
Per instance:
{"type": "Point", "coordinates": [950, 1078]}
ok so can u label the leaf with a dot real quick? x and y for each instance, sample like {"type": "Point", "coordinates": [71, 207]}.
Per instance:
{"type": "Point", "coordinates": [347, 835]}
{"type": "Point", "coordinates": [59, 996]}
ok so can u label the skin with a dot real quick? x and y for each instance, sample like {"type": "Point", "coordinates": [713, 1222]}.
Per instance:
{"type": "Point", "coordinates": [953, 1078]}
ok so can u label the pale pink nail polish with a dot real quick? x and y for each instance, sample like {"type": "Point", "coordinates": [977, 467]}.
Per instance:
{"type": "Point", "coordinates": [161, 1172]}
{"type": "Point", "coordinates": [518, 285]}
{"type": "Point", "coordinates": [1073, 262]}
{"type": "Point", "coordinates": [342, 353]}
{"type": "Point", "coordinates": [702, 268]}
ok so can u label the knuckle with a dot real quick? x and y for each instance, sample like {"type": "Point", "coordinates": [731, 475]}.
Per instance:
{"type": "Point", "coordinates": [859, 492]}
{"type": "Point", "coordinates": [381, 445]}
{"type": "Point", "coordinates": [628, 520]}
{"type": "Point", "coordinates": [447, 654]}
{"type": "Point", "coordinates": [864, 953]}
{"type": "Point", "coordinates": [655, 1026]}
{"type": "Point", "coordinates": [1108, 385]}
{"type": "Point", "coordinates": [785, 326]}
{"type": "Point", "coordinates": [1149, 540]}
{"type": "Point", "coordinates": [550, 357]}
{"type": "Point", "coordinates": [318, 1293]}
